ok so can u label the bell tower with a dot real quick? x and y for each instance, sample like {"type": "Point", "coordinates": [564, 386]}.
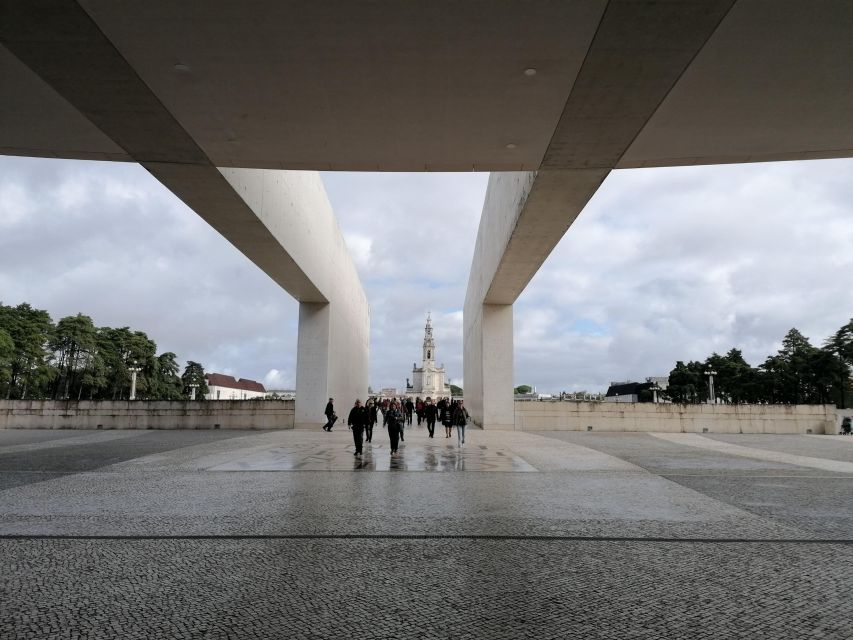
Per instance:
{"type": "Point", "coordinates": [429, 345]}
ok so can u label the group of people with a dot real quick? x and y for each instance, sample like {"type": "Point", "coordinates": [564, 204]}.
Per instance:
{"type": "Point", "coordinates": [396, 414]}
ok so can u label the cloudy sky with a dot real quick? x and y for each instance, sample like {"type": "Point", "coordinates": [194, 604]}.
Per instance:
{"type": "Point", "coordinates": [664, 264]}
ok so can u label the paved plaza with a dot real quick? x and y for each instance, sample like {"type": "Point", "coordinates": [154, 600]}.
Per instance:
{"type": "Point", "coordinates": [285, 534]}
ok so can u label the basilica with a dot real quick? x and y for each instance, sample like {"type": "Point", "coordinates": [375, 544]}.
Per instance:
{"type": "Point", "coordinates": [428, 380]}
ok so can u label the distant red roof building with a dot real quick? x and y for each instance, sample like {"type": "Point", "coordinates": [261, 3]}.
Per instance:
{"type": "Point", "coordinates": [230, 382]}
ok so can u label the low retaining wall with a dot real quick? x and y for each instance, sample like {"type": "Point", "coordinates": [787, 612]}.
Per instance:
{"type": "Point", "coordinates": [674, 418]}
{"type": "Point", "coordinates": [140, 414]}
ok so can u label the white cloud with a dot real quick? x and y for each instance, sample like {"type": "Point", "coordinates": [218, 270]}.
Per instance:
{"type": "Point", "coordinates": [677, 263]}
{"type": "Point", "coordinates": [360, 248]}
{"type": "Point", "coordinates": [275, 379]}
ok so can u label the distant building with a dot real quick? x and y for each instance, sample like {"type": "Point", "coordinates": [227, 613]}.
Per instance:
{"type": "Point", "coordinates": [281, 394]}
{"type": "Point", "coordinates": [388, 392]}
{"type": "Point", "coordinates": [223, 387]}
{"type": "Point", "coordinates": [627, 391]}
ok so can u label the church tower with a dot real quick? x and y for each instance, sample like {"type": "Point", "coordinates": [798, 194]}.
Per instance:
{"type": "Point", "coordinates": [428, 380]}
{"type": "Point", "coordinates": [429, 343]}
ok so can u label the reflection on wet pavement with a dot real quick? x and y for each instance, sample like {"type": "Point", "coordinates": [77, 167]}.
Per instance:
{"type": "Point", "coordinates": [412, 456]}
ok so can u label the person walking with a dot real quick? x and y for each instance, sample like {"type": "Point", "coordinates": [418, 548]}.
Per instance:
{"type": "Point", "coordinates": [331, 418]}
{"type": "Point", "coordinates": [460, 420]}
{"type": "Point", "coordinates": [430, 412]}
{"type": "Point", "coordinates": [357, 421]}
{"type": "Point", "coordinates": [402, 424]}
{"type": "Point", "coordinates": [372, 417]}
{"type": "Point", "coordinates": [419, 410]}
{"type": "Point", "coordinates": [846, 426]}
{"type": "Point", "coordinates": [410, 407]}
{"type": "Point", "coordinates": [394, 421]}
{"type": "Point", "coordinates": [445, 416]}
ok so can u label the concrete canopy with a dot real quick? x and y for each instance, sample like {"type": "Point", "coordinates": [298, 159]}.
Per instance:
{"type": "Point", "coordinates": [563, 91]}
{"type": "Point", "coordinates": [402, 86]}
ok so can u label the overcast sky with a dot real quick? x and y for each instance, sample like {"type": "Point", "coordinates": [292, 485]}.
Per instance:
{"type": "Point", "coordinates": [663, 265]}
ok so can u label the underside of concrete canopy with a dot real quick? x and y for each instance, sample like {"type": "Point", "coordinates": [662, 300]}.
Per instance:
{"type": "Point", "coordinates": [216, 98]}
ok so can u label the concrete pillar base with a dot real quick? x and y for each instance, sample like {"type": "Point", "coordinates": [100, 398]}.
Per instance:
{"type": "Point", "coordinates": [488, 365]}
{"type": "Point", "coordinates": [312, 364]}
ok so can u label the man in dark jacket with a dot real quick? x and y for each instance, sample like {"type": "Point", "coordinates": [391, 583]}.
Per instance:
{"type": "Point", "coordinates": [357, 421]}
{"type": "Point", "coordinates": [430, 413]}
{"type": "Point", "coordinates": [331, 418]}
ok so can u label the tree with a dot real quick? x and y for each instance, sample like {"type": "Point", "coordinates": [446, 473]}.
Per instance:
{"type": "Point", "coordinates": [735, 380]}
{"type": "Point", "coordinates": [167, 385]}
{"type": "Point", "coordinates": [194, 375]}
{"type": "Point", "coordinates": [7, 354]}
{"type": "Point", "coordinates": [800, 373]}
{"type": "Point", "coordinates": [73, 343]}
{"type": "Point", "coordinates": [30, 330]}
{"type": "Point", "coordinates": [455, 391]}
{"type": "Point", "coordinates": [840, 344]}
{"type": "Point", "coordinates": [685, 383]}
{"type": "Point", "coordinates": [523, 388]}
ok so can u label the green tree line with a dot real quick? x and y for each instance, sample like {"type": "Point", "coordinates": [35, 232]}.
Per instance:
{"type": "Point", "coordinates": [799, 373]}
{"type": "Point", "coordinates": [75, 359]}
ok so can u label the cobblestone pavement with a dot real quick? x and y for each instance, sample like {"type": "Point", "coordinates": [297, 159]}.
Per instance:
{"type": "Point", "coordinates": [149, 535]}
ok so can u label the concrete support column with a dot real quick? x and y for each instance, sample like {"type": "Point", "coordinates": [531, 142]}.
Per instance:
{"type": "Point", "coordinates": [488, 365]}
{"type": "Point", "coordinates": [331, 360]}
{"type": "Point", "coordinates": [312, 364]}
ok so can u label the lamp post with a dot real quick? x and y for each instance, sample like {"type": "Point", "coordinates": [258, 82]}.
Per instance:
{"type": "Point", "coordinates": [193, 387]}
{"type": "Point", "coordinates": [712, 399]}
{"type": "Point", "coordinates": [134, 369]}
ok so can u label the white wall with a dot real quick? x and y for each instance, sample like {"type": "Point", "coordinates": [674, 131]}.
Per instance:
{"type": "Point", "coordinates": [140, 414]}
{"type": "Point", "coordinates": [674, 418]}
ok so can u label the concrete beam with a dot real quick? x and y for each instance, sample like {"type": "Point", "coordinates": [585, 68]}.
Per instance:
{"type": "Point", "coordinates": [634, 60]}
{"type": "Point", "coordinates": [282, 221]}
{"type": "Point", "coordinates": [334, 329]}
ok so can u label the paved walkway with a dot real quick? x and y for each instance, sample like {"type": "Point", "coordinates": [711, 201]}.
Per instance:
{"type": "Point", "coordinates": [218, 534]}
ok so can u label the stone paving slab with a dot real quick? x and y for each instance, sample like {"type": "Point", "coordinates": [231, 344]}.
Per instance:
{"type": "Point", "coordinates": [734, 546]}
{"type": "Point", "coordinates": [633, 504]}
{"type": "Point", "coordinates": [438, 456]}
{"type": "Point", "coordinates": [821, 506]}
{"type": "Point", "coordinates": [176, 589]}
{"type": "Point", "coordinates": [97, 449]}
{"type": "Point", "coordinates": [13, 437]}
{"type": "Point", "coordinates": [702, 442]}
{"type": "Point", "coordinates": [816, 446]}
{"type": "Point", "coordinates": [71, 441]}
{"type": "Point", "coordinates": [542, 455]}
{"type": "Point", "coordinates": [668, 457]}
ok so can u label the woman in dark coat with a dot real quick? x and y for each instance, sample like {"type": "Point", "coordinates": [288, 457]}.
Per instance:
{"type": "Point", "coordinates": [394, 421]}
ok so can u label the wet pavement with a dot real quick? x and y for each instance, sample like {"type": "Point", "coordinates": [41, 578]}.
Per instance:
{"type": "Point", "coordinates": [218, 534]}
{"type": "Point", "coordinates": [431, 455]}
